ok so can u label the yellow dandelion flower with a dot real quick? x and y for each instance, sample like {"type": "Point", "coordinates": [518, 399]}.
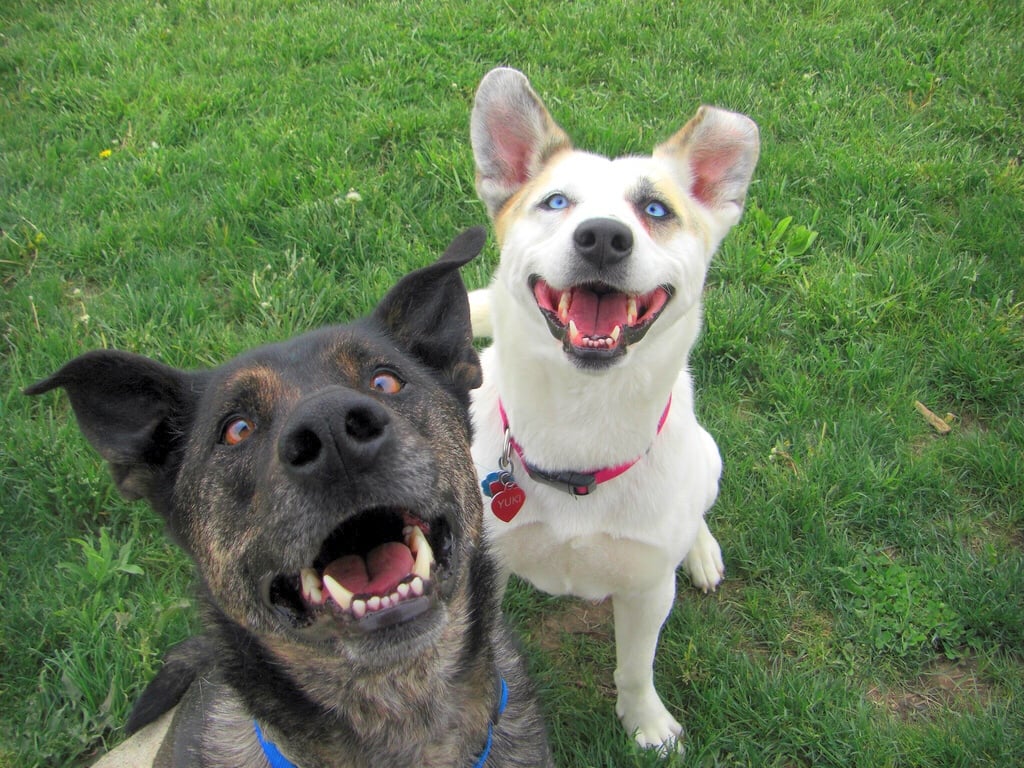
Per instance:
{"type": "Point", "coordinates": [106, 153]}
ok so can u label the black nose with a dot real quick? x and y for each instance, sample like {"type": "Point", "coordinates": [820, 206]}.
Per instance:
{"type": "Point", "coordinates": [331, 431]}
{"type": "Point", "coordinates": [603, 242]}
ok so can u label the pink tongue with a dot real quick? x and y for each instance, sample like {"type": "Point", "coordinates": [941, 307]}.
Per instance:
{"type": "Point", "coordinates": [384, 567]}
{"type": "Point", "coordinates": [597, 315]}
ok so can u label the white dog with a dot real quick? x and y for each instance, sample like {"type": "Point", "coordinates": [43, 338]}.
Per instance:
{"type": "Point", "coordinates": [597, 472]}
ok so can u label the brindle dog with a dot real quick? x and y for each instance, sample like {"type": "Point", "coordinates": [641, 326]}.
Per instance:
{"type": "Point", "coordinates": [324, 488]}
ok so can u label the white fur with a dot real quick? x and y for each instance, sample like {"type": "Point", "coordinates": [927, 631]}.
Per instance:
{"type": "Point", "coordinates": [628, 537]}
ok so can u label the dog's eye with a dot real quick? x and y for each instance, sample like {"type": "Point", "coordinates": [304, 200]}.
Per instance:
{"type": "Point", "coordinates": [656, 209]}
{"type": "Point", "coordinates": [556, 202]}
{"type": "Point", "coordinates": [386, 382]}
{"type": "Point", "coordinates": [237, 430]}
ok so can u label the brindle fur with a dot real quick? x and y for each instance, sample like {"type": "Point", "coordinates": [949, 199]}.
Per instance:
{"type": "Point", "coordinates": [420, 693]}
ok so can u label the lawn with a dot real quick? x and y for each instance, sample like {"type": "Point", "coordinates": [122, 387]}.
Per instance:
{"type": "Point", "coordinates": [188, 178]}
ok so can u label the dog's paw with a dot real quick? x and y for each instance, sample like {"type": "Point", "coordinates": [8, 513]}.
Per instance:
{"type": "Point", "coordinates": [647, 720]}
{"type": "Point", "coordinates": [704, 562]}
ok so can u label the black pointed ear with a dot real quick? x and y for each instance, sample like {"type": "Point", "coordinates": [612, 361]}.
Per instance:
{"type": "Point", "coordinates": [427, 312]}
{"type": "Point", "coordinates": [513, 136]}
{"type": "Point", "coordinates": [131, 410]}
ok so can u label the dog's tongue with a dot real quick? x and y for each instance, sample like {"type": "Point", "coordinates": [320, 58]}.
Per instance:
{"type": "Point", "coordinates": [597, 314]}
{"type": "Point", "coordinates": [379, 574]}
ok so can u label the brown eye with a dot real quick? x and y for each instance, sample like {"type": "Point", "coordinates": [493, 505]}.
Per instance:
{"type": "Point", "coordinates": [237, 430]}
{"type": "Point", "coordinates": [386, 382]}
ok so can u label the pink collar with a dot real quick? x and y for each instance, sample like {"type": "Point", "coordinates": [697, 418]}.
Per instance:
{"type": "Point", "coordinates": [570, 481]}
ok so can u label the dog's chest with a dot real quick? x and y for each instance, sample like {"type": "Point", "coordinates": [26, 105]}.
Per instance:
{"type": "Point", "coordinates": [590, 566]}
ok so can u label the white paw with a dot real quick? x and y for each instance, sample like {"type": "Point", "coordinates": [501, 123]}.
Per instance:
{"type": "Point", "coordinates": [704, 562]}
{"type": "Point", "coordinates": [645, 717]}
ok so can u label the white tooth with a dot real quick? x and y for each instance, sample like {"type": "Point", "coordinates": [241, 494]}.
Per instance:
{"type": "Point", "coordinates": [574, 333]}
{"type": "Point", "coordinates": [616, 332]}
{"type": "Point", "coordinates": [416, 586]}
{"type": "Point", "coordinates": [563, 307]}
{"type": "Point", "coordinates": [385, 602]}
{"type": "Point", "coordinates": [373, 604]}
{"type": "Point", "coordinates": [359, 608]}
{"type": "Point", "coordinates": [403, 590]}
{"type": "Point", "coordinates": [395, 598]}
{"type": "Point", "coordinates": [312, 589]}
{"type": "Point", "coordinates": [414, 539]}
{"type": "Point", "coordinates": [631, 310]}
{"type": "Point", "coordinates": [338, 593]}
{"type": "Point", "coordinates": [424, 559]}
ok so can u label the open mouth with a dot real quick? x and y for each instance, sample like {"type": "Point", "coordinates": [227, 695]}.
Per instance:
{"type": "Point", "coordinates": [597, 320]}
{"type": "Point", "coordinates": [379, 569]}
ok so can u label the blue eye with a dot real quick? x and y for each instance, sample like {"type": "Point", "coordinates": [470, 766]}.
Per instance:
{"type": "Point", "coordinates": [656, 210]}
{"type": "Point", "coordinates": [556, 202]}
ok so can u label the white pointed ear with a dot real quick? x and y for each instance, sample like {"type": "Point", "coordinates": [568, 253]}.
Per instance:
{"type": "Point", "coordinates": [512, 134]}
{"type": "Point", "coordinates": [714, 155]}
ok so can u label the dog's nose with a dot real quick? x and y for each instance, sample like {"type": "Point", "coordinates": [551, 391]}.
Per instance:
{"type": "Point", "coordinates": [603, 242]}
{"type": "Point", "coordinates": [333, 430]}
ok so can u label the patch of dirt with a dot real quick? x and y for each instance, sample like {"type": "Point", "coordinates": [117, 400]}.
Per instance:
{"type": "Point", "coordinates": [946, 686]}
{"type": "Point", "coordinates": [576, 617]}
{"type": "Point", "coordinates": [1017, 539]}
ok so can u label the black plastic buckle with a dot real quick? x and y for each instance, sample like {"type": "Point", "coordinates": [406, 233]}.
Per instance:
{"type": "Point", "coordinates": [573, 483]}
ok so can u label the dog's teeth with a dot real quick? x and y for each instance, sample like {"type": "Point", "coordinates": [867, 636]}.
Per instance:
{"type": "Point", "coordinates": [359, 608]}
{"type": "Point", "coordinates": [385, 602]}
{"type": "Point", "coordinates": [338, 593]}
{"type": "Point", "coordinates": [424, 558]}
{"type": "Point", "coordinates": [373, 604]}
{"type": "Point", "coordinates": [312, 588]}
{"type": "Point", "coordinates": [616, 332]}
{"type": "Point", "coordinates": [420, 547]}
{"type": "Point", "coordinates": [575, 337]}
{"type": "Point", "coordinates": [563, 307]}
{"type": "Point", "coordinates": [403, 590]}
{"type": "Point", "coordinates": [631, 310]}
{"type": "Point", "coordinates": [414, 538]}
{"type": "Point", "coordinates": [416, 586]}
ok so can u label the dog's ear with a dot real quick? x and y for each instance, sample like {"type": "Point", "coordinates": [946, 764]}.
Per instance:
{"type": "Point", "coordinates": [182, 664]}
{"type": "Point", "coordinates": [427, 312]}
{"type": "Point", "coordinates": [714, 155]}
{"type": "Point", "coordinates": [131, 410]}
{"type": "Point", "coordinates": [512, 135]}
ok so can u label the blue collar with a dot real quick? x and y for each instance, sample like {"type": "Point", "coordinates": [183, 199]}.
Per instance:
{"type": "Point", "coordinates": [270, 750]}
{"type": "Point", "coordinates": [277, 760]}
{"type": "Point", "coordinates": [502, 703]}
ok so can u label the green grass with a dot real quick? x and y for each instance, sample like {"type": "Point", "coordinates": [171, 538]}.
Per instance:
{"type": "Point", "coordinates": [174, 180]}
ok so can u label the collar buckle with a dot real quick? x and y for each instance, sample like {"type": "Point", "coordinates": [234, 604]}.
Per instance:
{"type": "Point", "coordinates": [573, 483]}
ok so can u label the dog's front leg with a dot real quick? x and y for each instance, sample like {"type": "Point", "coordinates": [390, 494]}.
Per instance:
{"type": "Point", "coordinates": [704, 560]}
{"type": "Point", "coordinates": [639, 617]}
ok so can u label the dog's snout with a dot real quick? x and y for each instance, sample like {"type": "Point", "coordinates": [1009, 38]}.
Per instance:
{"type": "Point", "coordinates": [603, 242]}
{"type": "Point", "coordinates": [332, 430]}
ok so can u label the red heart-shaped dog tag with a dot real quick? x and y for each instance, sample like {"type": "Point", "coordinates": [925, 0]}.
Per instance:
{"type": "Point", "coordinates": [506, 503]}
